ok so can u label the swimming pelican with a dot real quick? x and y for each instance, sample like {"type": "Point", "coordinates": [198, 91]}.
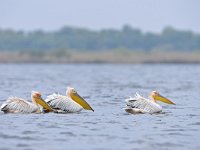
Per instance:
{"type": "Point", "coordinates": [139, 104]}
{"type": "Point", "coordinates": [19, 105]}
{"type": "Point", "coordinates": [70, 103]}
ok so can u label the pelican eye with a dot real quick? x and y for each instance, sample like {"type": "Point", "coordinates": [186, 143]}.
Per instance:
{"type": "Point", "coordinates": [38, 95]}
{"type": "Point", "coordinates": [73, 91]}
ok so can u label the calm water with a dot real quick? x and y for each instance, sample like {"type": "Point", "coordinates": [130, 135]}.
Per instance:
{"type": "Point", "coordinates": [105, 87]}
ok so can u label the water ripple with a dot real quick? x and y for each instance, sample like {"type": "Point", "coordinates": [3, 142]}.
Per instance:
{"type": "Point", "coordinates": [109, 127]}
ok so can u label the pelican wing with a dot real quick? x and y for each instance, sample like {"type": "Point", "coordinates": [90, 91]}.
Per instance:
{"type": "Point", "coordinates": [63, 103]}
{"type": "Point", "coordinates": [18, 105]}
{"type": "Point", "coordinates": [142, 105]}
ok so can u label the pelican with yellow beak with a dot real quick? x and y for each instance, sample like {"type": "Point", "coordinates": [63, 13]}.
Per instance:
{"type": "Point", "coordinates": [19, 105]}
{"type": "Point", "coordinates": [70, 103]}
{"type": "Point", "coordinates": [139, 104]}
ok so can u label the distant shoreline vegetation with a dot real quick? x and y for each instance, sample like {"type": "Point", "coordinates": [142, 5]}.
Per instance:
{"type": "Point", "coordinates": [74, 45]}
{"type": "Point", "coordinates": [82, 39]}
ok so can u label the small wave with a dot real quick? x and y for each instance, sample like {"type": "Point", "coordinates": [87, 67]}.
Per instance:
{"type": "Point", "coordinates": [196, 124]}
{"type": "Point", "coordinates": [6, 136]}
{"type": "Point", "coordinates": [22, 145]}
{"type": "Point", "coordinates": [68, 133]}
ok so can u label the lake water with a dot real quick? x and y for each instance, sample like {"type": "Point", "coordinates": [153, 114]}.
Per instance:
{"type": "Point", "coordinates": [105, 87]}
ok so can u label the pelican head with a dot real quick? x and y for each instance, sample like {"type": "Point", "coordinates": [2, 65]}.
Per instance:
{"type": "Point", "coordinates": [71, 92]}
{"type": "Point", "coordinates": [36, 94]}
{"type": "Point", "coordinates": [36, 97]}
{"type": "Point", "coordinates": [156, 96]}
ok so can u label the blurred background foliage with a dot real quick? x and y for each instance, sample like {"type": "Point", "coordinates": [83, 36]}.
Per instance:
{"type": "Point", "coordinates": [81, 39]}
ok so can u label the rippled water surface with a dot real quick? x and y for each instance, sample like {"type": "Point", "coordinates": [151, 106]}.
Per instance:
{"type": "Point", "coordinates": [105, 87]}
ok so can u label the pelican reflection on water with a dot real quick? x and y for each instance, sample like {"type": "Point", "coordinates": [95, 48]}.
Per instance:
{"type": "Point", "coordinates": [70, 103]}
{"type": "Point", "coordinates": [19, 105]}
{"type": "Point", "coordinates": [139, 104]}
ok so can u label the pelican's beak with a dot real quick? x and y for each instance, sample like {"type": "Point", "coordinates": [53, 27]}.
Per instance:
{"type": "Point", "coordinates": [44, 104]}
{"type": "Point", "coordinates": [77, 98]}
{"type": "Point", "coordinates": [163, 99]}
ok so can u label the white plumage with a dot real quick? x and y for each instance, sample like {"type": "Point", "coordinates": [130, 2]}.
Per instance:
{"type": "Point", "coordinates": [19, 105]}
{"type": "Point", "coordinates": [70, 103]}
{"type": "Point", "coordinates": [63, 104]}
{"type": "Point", "coordinates": [139, 104]}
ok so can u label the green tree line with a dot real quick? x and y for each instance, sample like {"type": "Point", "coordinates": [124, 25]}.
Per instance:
{"type": "Point", "coordinates": [105, 39]}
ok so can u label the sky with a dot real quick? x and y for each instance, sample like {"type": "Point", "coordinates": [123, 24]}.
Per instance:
{"type": "Point", "coordinates": [147, 15]}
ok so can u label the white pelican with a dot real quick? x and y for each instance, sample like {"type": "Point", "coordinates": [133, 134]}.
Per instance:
{"type": "Point", "coordinates": [19, 105]}
{"type": "Point", "coordinates": [70, 103]}
{"type": "Point", "coordinates": [139, 104]}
